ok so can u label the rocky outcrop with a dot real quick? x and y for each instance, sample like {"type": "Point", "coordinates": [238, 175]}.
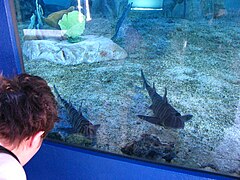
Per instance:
{"type": "Point", "coordinates": [91, 49]}
{"type": "Point", "coordinates": [189, 9]}
{"type": "Point", "coordinates": [215, 8]}
{"type": "Point", "coordinates": [150, 147]}
{"type": "Point", "coordinates": [195, 9]}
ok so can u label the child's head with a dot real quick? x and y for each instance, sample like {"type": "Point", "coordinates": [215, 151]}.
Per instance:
{"type": "Point", "coordinates": [27, 106]}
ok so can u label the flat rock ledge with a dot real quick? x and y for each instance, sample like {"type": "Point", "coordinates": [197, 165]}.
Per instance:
{"type": "Point", "coordinates": [91, 49]}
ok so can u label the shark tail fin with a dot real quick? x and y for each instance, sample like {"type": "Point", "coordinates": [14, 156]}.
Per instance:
{"type": "Point", "coordinates": [56, 92]}
{"type": "Point", "coordinates": [145, 83]}
{"type": "Point", "coordinates": [144, 79]}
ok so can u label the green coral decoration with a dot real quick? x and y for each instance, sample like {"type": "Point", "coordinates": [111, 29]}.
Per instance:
{"type": "Point", "coordinates": [74, 23]}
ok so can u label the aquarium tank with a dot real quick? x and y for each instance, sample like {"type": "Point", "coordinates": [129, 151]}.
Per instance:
{"type": "Point", "coordinates": [156, 80]}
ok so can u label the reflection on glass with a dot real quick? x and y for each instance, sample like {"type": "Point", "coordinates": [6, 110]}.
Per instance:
{"type": "Point", "coordinates": [161, 84]}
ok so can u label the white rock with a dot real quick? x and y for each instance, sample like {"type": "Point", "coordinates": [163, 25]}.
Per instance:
{"type": "Point", "coordinates": [91, 49]}
{"type": "Point", "coordinates": [227, 154]}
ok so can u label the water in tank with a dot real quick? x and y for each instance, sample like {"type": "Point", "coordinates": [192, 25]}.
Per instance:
{"type": "Point", "coordinates": [152, 79]}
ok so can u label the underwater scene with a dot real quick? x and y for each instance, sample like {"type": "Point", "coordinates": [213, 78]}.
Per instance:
{"type": "Point", "coordinates": [157, 80]}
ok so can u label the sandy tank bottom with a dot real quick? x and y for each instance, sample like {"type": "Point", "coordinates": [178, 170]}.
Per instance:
{"type": "Point", "coordinates": [198, 62]}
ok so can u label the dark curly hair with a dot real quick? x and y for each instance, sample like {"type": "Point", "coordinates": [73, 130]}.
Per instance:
{"type": "Point", "coordinates": [27, 106]}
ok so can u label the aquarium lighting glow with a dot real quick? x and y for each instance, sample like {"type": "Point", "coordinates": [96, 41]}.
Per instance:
{"type": "Point", "coordinates": [147, 9]}
{"type": "Point", "coordinates": [80, 16]}
{"type": "Point", "coordinates": [88, 16]}
{"type": "Point", "coordinates": [185, 44]}
{"type": "Point", "coordinates": [79, 5]}
{"type": "Point", "coordinates": [88, 11]}
{"type": "Point", "coordinates": [147, 4]}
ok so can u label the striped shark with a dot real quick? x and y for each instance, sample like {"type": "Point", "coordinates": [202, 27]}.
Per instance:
{"type": "Point", "coordinates": [164, 114]}
{"type": "Point", "coordinates": [79, 123]}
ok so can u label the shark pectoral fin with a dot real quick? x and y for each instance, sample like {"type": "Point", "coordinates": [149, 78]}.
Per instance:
{"type": "Point", "coordinates": [186, 117]}
{"type": "Point", "coordinates": [151, 119]}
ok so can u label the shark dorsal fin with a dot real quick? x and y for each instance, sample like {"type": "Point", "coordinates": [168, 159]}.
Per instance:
{"type": "Point", "coordinates": [154, 88]}
{"type": "Point", "coordinates": [80, 108]}
{"type": "Point", "coordinates": [165, 96]}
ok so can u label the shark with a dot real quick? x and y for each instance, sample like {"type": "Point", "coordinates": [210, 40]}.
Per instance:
{"type": "Point", "coordinates": [79, 123]}
{"type": "Point", "coordinates": [164, 114]}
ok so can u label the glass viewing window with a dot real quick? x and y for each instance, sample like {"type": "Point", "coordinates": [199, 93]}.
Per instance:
{"type": "Point", "coordinates": [157, 85]}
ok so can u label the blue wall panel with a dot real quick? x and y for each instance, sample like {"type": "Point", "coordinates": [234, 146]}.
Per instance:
{"type": "Point", "coordinates": [9, 54]}
{"type": "Point", "coordinates": [57, 161]}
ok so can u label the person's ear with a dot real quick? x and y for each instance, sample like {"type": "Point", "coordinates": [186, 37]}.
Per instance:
{"type": "Point", "coordinates": [36, 140]}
